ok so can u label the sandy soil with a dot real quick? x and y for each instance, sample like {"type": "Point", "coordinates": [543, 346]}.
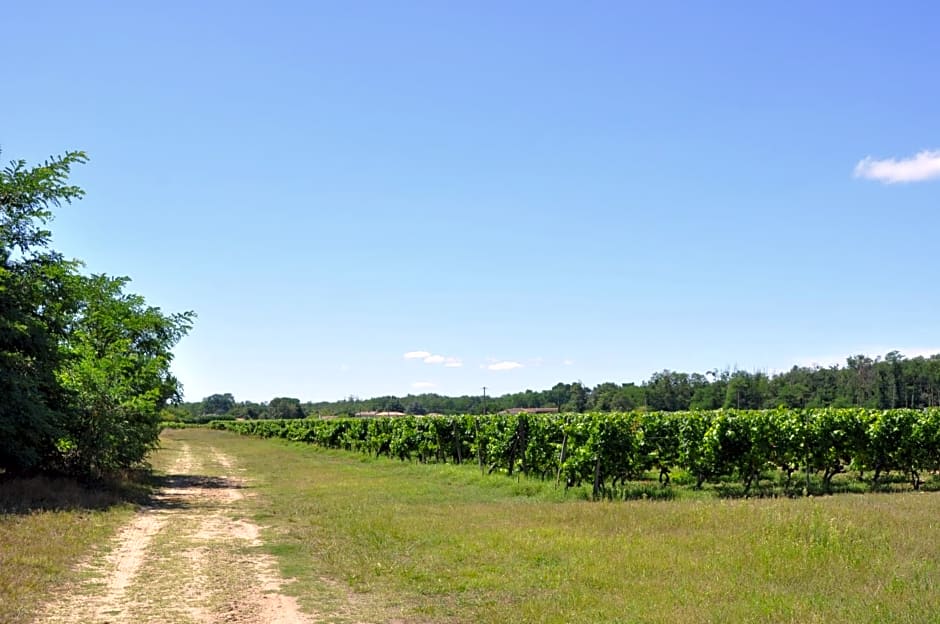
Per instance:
{"type": "Point", "coordinates": [189, 558]}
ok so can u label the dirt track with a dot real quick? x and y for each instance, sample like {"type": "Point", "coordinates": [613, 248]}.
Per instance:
{"type": "Point", "coordinates": [189, 558]}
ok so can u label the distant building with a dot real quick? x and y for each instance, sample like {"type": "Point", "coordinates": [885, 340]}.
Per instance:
{"type": "Point", "coordinates": [530, 410]}
{"type": "Point", "coordinates": [379, 414]}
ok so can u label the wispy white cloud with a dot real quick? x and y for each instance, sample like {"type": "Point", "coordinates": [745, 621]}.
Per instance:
{"type": "Point", "coordinates": [568, 362]}
{"type": "Point", "coordinates": [920, 352]}
{"type": "Point", "coordinates": [826, 361]}
{"type": "Point", "coordinates": [922, 166]}
{"type": "Point", "coordinates": [423, 385]}
{"type": "Point", "coordinates": [504, 365]}
{"type": "Point", "coordinates": [427, 357]}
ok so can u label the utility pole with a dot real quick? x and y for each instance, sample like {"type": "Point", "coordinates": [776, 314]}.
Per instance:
{"type": "Point", "coordinates": [484, 400]}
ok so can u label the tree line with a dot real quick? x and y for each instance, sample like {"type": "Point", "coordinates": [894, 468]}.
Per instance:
{"type": "Point", "coordinates": [888, 382]}
{"type": "Point", "coordinates": [84, 364]}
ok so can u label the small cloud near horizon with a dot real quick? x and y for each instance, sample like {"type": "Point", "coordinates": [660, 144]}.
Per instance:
{"type": "Point", "coordinates": [423, 385]}
{"type": "Point", "coordinates": [840, 360]}
{"type": "Point", "coordinates": [504, 366]}
{"type": "Point", "coordinates": [427, 357]}
{"type": "Point", "coordinates": [925, 165]}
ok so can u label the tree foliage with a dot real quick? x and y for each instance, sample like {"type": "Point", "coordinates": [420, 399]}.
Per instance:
{"type": "Point", "coordinates": [118, 375]}
{"type": "Point", "coordinates": [218, 404]}
{"type": "Point", "coordinates": [878, 383]}
{"type": "Point", "coordinates": [84, 365]}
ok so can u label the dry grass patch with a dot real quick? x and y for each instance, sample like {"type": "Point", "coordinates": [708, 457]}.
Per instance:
{"type": "Point", "coordinates": [46, 526]}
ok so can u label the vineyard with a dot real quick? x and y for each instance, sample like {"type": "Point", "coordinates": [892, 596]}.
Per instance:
{"type": "Point", "coordinates": [610, 453]}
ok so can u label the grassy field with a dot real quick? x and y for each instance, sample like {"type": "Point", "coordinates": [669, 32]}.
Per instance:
{"type": "Point", "coordinates": [382, 541]}
{"type": "Point", "coordinates": [46, 527]}
{"type": "Point", "coordinates": [442, 544]}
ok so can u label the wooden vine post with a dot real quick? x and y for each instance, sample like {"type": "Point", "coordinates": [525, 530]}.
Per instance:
{"type": "Point", "coordinates": [561, 458]}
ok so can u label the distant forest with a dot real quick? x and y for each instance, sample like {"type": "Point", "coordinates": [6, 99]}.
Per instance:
{"type": "Point", "coordinates": [883, 383]}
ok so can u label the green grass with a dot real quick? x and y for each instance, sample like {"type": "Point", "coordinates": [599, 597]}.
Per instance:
{"type": "Point", "coordinates": [442, 544]}
{"type": "Point", "coordinates": [378, 540]}
{"type": "Point", "coordinates": [46, 527]}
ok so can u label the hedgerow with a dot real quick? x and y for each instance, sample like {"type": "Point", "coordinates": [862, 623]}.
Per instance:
{"type": "Point", "coordinates": [607, 450]}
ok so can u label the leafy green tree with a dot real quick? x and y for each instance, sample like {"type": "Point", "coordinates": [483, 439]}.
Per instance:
{"type": "Point", "coordinates": [709, 390]}
{"type": "Point", "coordinates": [747, 391]}
{"type": "Point", "coordinates": [577, 398]}
{"type": "Point", "coordinates": [118, 373]}
{"type": "Point", "coordinates": [862, 379]}
{"type": "Point", "coordinates": [37, 301]}
{"type": "Point", "coordinates": [791, 389]}
{"type": "Point", "coordinates": [218, 404]}
{"type": "Point", "coordinates": [669, 391]}
{"type": "Point", "coordinates": [248, 410]}
{"type": "Point", "coordinates": [559, 395]}
{"type": "Point", "coordinates": [611, 397]}
{"type": "Point", "coordinates": [416, 409]}
{"type": "Point", "coordinates": [285, 407]}
{"type": "Point", "coordinates": [84, 366]}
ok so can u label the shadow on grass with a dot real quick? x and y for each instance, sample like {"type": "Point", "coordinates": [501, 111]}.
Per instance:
{"type": "Point", "coordinates": [26, 495]}
{"type": "Point", "coordinates": [890, 484]}
{"type": "Point", "coordinates": [175, 491]}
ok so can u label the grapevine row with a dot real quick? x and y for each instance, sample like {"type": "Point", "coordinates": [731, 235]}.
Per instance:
{"type": "Point", "coordinates": [608, 450]}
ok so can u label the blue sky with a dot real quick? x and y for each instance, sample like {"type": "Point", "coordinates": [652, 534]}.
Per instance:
{"type": "Point", "coordinates": [511, 193]}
